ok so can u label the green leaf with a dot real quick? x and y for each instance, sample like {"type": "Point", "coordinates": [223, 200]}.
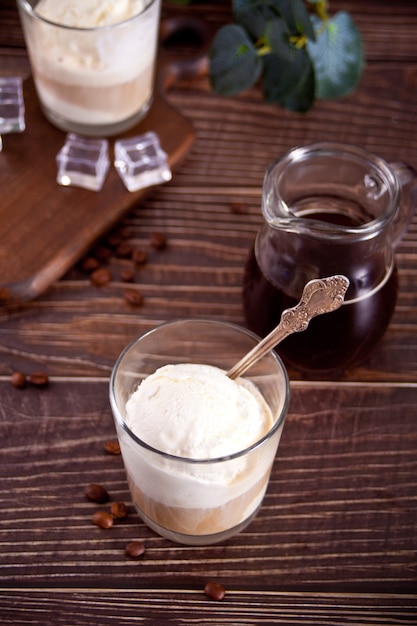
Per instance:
{"type": "Point", "coordinates": [302, 98]}
{"type": "Point", "coordinates": [277, 39]}
{"type": "Point", "coordinates": [337, 56]}
{"type": "Point", "coordinates": [296, 16]}
{"type": "Point", "coordinates": [242, 5]}
{"type": "Point", "coordinates": [289, 82]}
{"type": "Point", "coordinates": [234, 62]}
{"type": "Point", "coordinates": [253, 16]}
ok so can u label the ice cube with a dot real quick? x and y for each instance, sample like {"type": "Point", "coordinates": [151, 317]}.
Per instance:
{"type": "Point", "coordinates": [83, 162]}
{"type": "Point", "coordinates": [141, 162]}
{"type": "Point", "coordinates": [12, 107]}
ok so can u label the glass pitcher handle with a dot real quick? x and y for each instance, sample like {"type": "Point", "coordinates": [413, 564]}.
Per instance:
{"type": "Point", "coordinates": [407, 178]}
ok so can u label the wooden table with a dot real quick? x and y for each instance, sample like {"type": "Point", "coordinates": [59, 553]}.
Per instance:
{"type": "Point", "coordinates": [335, 541]}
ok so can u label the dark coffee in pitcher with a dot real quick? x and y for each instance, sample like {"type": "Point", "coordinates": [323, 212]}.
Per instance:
{"type": "Point", "coordinates": [331, 341]}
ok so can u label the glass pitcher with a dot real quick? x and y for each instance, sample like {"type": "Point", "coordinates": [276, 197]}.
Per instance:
{"type": "Point", "coordinates": [329, 209]}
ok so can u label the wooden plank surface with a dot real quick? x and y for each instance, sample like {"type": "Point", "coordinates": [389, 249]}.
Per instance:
{"type": "Point", "coordinates": [335, 541]}
{"type": "Point", "coordinates": [340, 512]}
{"type": "Point", "coordinates": [64, 606]}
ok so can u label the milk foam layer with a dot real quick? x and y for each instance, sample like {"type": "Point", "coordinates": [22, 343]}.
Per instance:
{"type": "Point", "coordinates": [196, 411]}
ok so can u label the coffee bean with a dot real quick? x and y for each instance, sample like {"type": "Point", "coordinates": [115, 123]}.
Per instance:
{"type": "Point", "coordinates": [101, 277]}
{"type": "Point", "coordinates": [102, 519]}
{"type": "Point", "coordinates": [18, 380]}
{"type": "Point", "coordinates": [158, 240]}
{"type": "Point", "coordinates": [118, 510]}
{"type": "Point", "coordinates": [125, 232]}
{"type": "Point", "coordinates": [214, 590]}
{"type": "Point", "coordinates": [97, 493]}
{"type": "Point", "coordinates": [103, 253]}
{"type": "Point", "coordinates": [89, 264]}
{"type": "Point", "coordinates": [237, 207]}
{"type": "Point", "coordinates": [124, 250]}
{"type": "Point", "coordinates": [135, 549]}
{"type": "Point", "coordinates": [5, 295]}
{"type": "Point", "coordinates": [39, 379]}
{"type": "Point", "coordinates": [127, 275]}
{"type": "Point", "coordinates": [114, 240]}
{"type": "Point", "coordinates": [134, 297]}
{"type": "Point", "coordinates": [139, 256]}
{"type": "Point", "coordinates": [112, 447]}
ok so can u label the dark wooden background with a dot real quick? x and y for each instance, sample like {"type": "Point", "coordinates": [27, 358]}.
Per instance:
{"type": "Point", "coordinates": [336, 539]}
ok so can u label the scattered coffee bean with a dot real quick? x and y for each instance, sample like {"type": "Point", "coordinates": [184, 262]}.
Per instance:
{"type": "Point", "coordinates": [125, 232]}
{"type": "Point", "coordinates": [97, 493]}
{"type": "Point", "coordinates": [237, 207]}
{"type": "Point", "coordinates": [118, 510]}
{"type": "Point", "coordinates": [158, 240]}
{"type": "Point", "coordinates": [5, 295]}
{"type": "Point", "coordinates": [135, 549]}
{"type": "Point", "coordinates": [18, 380]}
{"type": "Point", "coordinates": [39, 379]}
{"type": "Point", "coordinates": [133, 296]}
{"type": "Point", "coordinates": [214, 590]}
{"type": "Point", "coordinates": [112, 447]}
{"type": "Point", "coordinates": [114, 240]}
{"type": "Point", "coordinates": [102, 519]}
{"type": "Point", "coordinates": [124, 250]}
{"type": "Point", "coordinates": [89, 264]}
{"type": "Point", "coordinates": [101, 277]}
{"type": "Point", "coordinates": [103, 253]}
{"type": "Point", "coordinates": [127, 275]}
{"type": "Point", "coordinates": [139, 256]}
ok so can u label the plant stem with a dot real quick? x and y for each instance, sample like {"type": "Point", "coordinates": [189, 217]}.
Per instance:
{"type": "Point", "coordinates": [322, 10]}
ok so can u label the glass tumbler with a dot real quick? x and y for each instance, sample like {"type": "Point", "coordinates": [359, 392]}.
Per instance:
{"type": "Point", "coordinates": [95, 80]}
{"type": "Point", "coordinates": [197, 501]}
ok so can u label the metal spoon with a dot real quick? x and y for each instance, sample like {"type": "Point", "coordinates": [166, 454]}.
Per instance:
{"type": "Point", "coordinates": [320, 295]}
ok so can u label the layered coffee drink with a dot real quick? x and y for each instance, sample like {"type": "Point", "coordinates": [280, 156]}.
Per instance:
{"type": "Point", "coordinates": [92, 60]}
{"type": "Point", "coordinates": [198, 446]}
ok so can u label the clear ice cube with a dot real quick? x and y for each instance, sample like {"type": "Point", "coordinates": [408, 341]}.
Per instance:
{"type": "Point", "coordinates": [141, 162]}
{"type": "Point", "coordinates": [12, 107]}
{"type": "Point", "coordinates": [83, 162]}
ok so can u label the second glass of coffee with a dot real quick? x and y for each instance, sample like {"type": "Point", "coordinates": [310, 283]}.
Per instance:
{"type": "Point", "coordinates": [93, 62]}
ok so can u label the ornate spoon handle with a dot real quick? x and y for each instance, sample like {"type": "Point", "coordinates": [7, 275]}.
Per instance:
{"type": "Point", "coordinates": [319, 296]}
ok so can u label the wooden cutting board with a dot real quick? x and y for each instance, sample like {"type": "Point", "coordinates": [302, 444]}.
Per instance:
{"type": "Point", "coordinates": [46, 228]}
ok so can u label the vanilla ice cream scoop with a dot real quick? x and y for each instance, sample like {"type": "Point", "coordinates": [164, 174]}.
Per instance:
{"type": "Point", "coordinates": [89, 13]}
{"type": "Point", "coordinates": [196, 411]}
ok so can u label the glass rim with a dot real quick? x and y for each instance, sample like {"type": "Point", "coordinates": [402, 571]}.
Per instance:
{"type": "Point", "coordinates": [206, 461]}
{"type": "Point", "coordinates": [300, 154]}
{"type": "Point", "coordinates": [31, 11]}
